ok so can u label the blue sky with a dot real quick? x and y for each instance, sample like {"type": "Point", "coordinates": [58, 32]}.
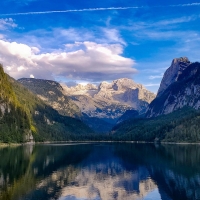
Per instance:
{"type": "Point", "coordinates": [92, 41]}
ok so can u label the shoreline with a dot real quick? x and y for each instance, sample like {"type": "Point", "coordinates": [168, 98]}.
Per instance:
{"type": "Point", "coordinates": [10, 145]}
{"type": "Point", "coordinates": [138, 142]}
{"type": "Point", "coordinates": [84, 142]}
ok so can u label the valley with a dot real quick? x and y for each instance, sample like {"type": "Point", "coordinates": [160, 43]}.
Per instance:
{"type": "Point", "coordinates": [97, 106]}
{"type": "Point", "coordinates": [121, 110]}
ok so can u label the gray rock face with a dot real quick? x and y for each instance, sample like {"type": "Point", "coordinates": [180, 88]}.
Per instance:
{"type": "Point", "coordinates": [107, 101]}
{"type": "Point", "coordinates": [110, 100]}
{"type": "Point", "coordinates": [173, 72]}
{"type": "Point", "coordinates": [185, 91]}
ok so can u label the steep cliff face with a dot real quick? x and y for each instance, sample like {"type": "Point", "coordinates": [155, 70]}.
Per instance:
{"type": "Point", "coordinates": [184, 91]}
{"type": "Point", "coordinates": [173, 72]}
{"type": "Point", "coordinates": [52, 93]}
{"type": "Point", "coordinates": [110, 100]}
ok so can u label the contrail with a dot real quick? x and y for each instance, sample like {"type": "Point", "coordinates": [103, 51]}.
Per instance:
{"type": "Point", "coordinates": [97, 9]}
{"type": "Point", "coordinates": [67, 11]}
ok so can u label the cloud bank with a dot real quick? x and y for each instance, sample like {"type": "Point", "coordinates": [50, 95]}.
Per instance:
{"type": "Point", "coordinates": [92, 61]}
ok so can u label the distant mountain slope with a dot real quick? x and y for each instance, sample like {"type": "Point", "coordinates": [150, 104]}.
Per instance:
{"type": "Point", "coordinates": [129, 114]}
{"type": "Point", "coordinates": [52, 93]}
{"type": "Point", "coordinates": [184, 91]}
{"type": "Point", "coordinates": [109, 101]}
{"type": "Point", "coordinates": [49, 124]}
{"type": "Point", "coordinates": [96, 124]}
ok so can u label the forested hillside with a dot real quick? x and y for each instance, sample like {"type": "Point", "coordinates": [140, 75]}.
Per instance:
{"type": "Point", "coordinates": [180, 126]}
{"type": "Point", "coordinates": [24, 115]}
{"type": "Point", "coordinates": [14, 121]}
{"type": "Point", "coordinates": [52, 93]}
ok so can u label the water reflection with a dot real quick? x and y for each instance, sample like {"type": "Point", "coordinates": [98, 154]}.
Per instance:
{"type": "Point", "coordinates": [100, 171]}
{"type": "Point", "coordinates": [104, 176]}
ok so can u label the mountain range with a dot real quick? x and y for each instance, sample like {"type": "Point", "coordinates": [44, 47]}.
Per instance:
{"type": "Point", "coordinates": [174, 115]}
{"type": "Point", "coordinates": [99, 107]}
{"type": "Point", "coordinates": [110, 100]}
{"type": "Point", "coordinates": [36, 109]}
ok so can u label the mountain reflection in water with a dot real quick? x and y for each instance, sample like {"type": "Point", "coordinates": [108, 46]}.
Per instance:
{"type": "Point", "coordinates": [100, 171]}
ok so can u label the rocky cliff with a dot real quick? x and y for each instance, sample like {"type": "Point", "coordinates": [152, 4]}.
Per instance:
{"type": "Point", "coordinates": [171, 75]}
{"type": "Point", "coordinates": [178, 89]}
{"type": "Point", "coordinates": [109, 101]}
{"type": "Point", "coordinates": [91, 103]}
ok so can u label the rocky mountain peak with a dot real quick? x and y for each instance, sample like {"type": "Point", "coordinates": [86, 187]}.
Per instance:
{"type": "Point", "coordinates": [90, 86]}
{"type": "Point", "coordinates": [171, 75]}
{"type": "Point", "coordinates": [104, 85]}
{"type": "Point", "coordinates": [181, 59]}
{"type": "Point", "coordinates": [110, 100]}
{"type": "Point", "coordinates": [123, 84]}
{"type": "Point", "coordinates": [183, 92]}
{"type": "Point", "coordinates": [80, 88]}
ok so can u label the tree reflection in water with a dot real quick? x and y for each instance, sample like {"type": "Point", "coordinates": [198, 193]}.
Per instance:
{"type": "Point", "coordinates": [100, 171]}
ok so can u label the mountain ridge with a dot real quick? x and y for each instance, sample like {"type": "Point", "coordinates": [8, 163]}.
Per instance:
{"type": "Point", "coordinates": [52, 93]}
{"type": "Point", "coordinates": [171, 75]}
{"type": "Point", "coordinates": [174, 115]}
{"type": "Point", "coordinates": [183, 91]}
{"type": "Point", "coordinates": [26, 118]}
{"type": "Point", "coordinates": [106, 102]}
{"type": "Point", "coordinates": [110, 99]}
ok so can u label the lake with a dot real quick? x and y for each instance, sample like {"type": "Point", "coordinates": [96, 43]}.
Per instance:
{"type": "Point", "coordinates": [100, 171]}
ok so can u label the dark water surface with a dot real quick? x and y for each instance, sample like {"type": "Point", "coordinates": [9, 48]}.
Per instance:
{"type": "Point", "coordinates": [100, 171]}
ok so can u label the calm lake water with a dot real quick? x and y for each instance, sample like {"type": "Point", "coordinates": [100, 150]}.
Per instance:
{"type": "Point", "coordinates": [100, 171]}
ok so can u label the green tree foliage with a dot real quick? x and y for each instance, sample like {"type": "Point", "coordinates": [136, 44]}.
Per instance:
{"type": "Point", "coordinates": [14, 121]}
{"type": "Point", "coordinates": [180, 126]}
{"type": "Point", "coordinates": [22, 111]}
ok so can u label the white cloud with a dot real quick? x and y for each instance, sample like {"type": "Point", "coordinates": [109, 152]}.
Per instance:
{"type": "Point", "coordinates": [155, 77]}
{"type": "Point", "coordinates": [21, 68]}
{"type": "Point", "coordinates": [35, 50]}
{"type": "Point", "coordinates": [94, 62]}
{"type": "Point", "coordinates": [1, 36]}
{"type": "Point", "coordinates": [113, 35]}
{"type": "Point", "coordinates": [184, 19]}
{"type": "Point", "coordinates": [152, 84]}
{"type": "Point", "coordinates": [56, 37]}
{"type": "Point", "coordinates": [7, 23]}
